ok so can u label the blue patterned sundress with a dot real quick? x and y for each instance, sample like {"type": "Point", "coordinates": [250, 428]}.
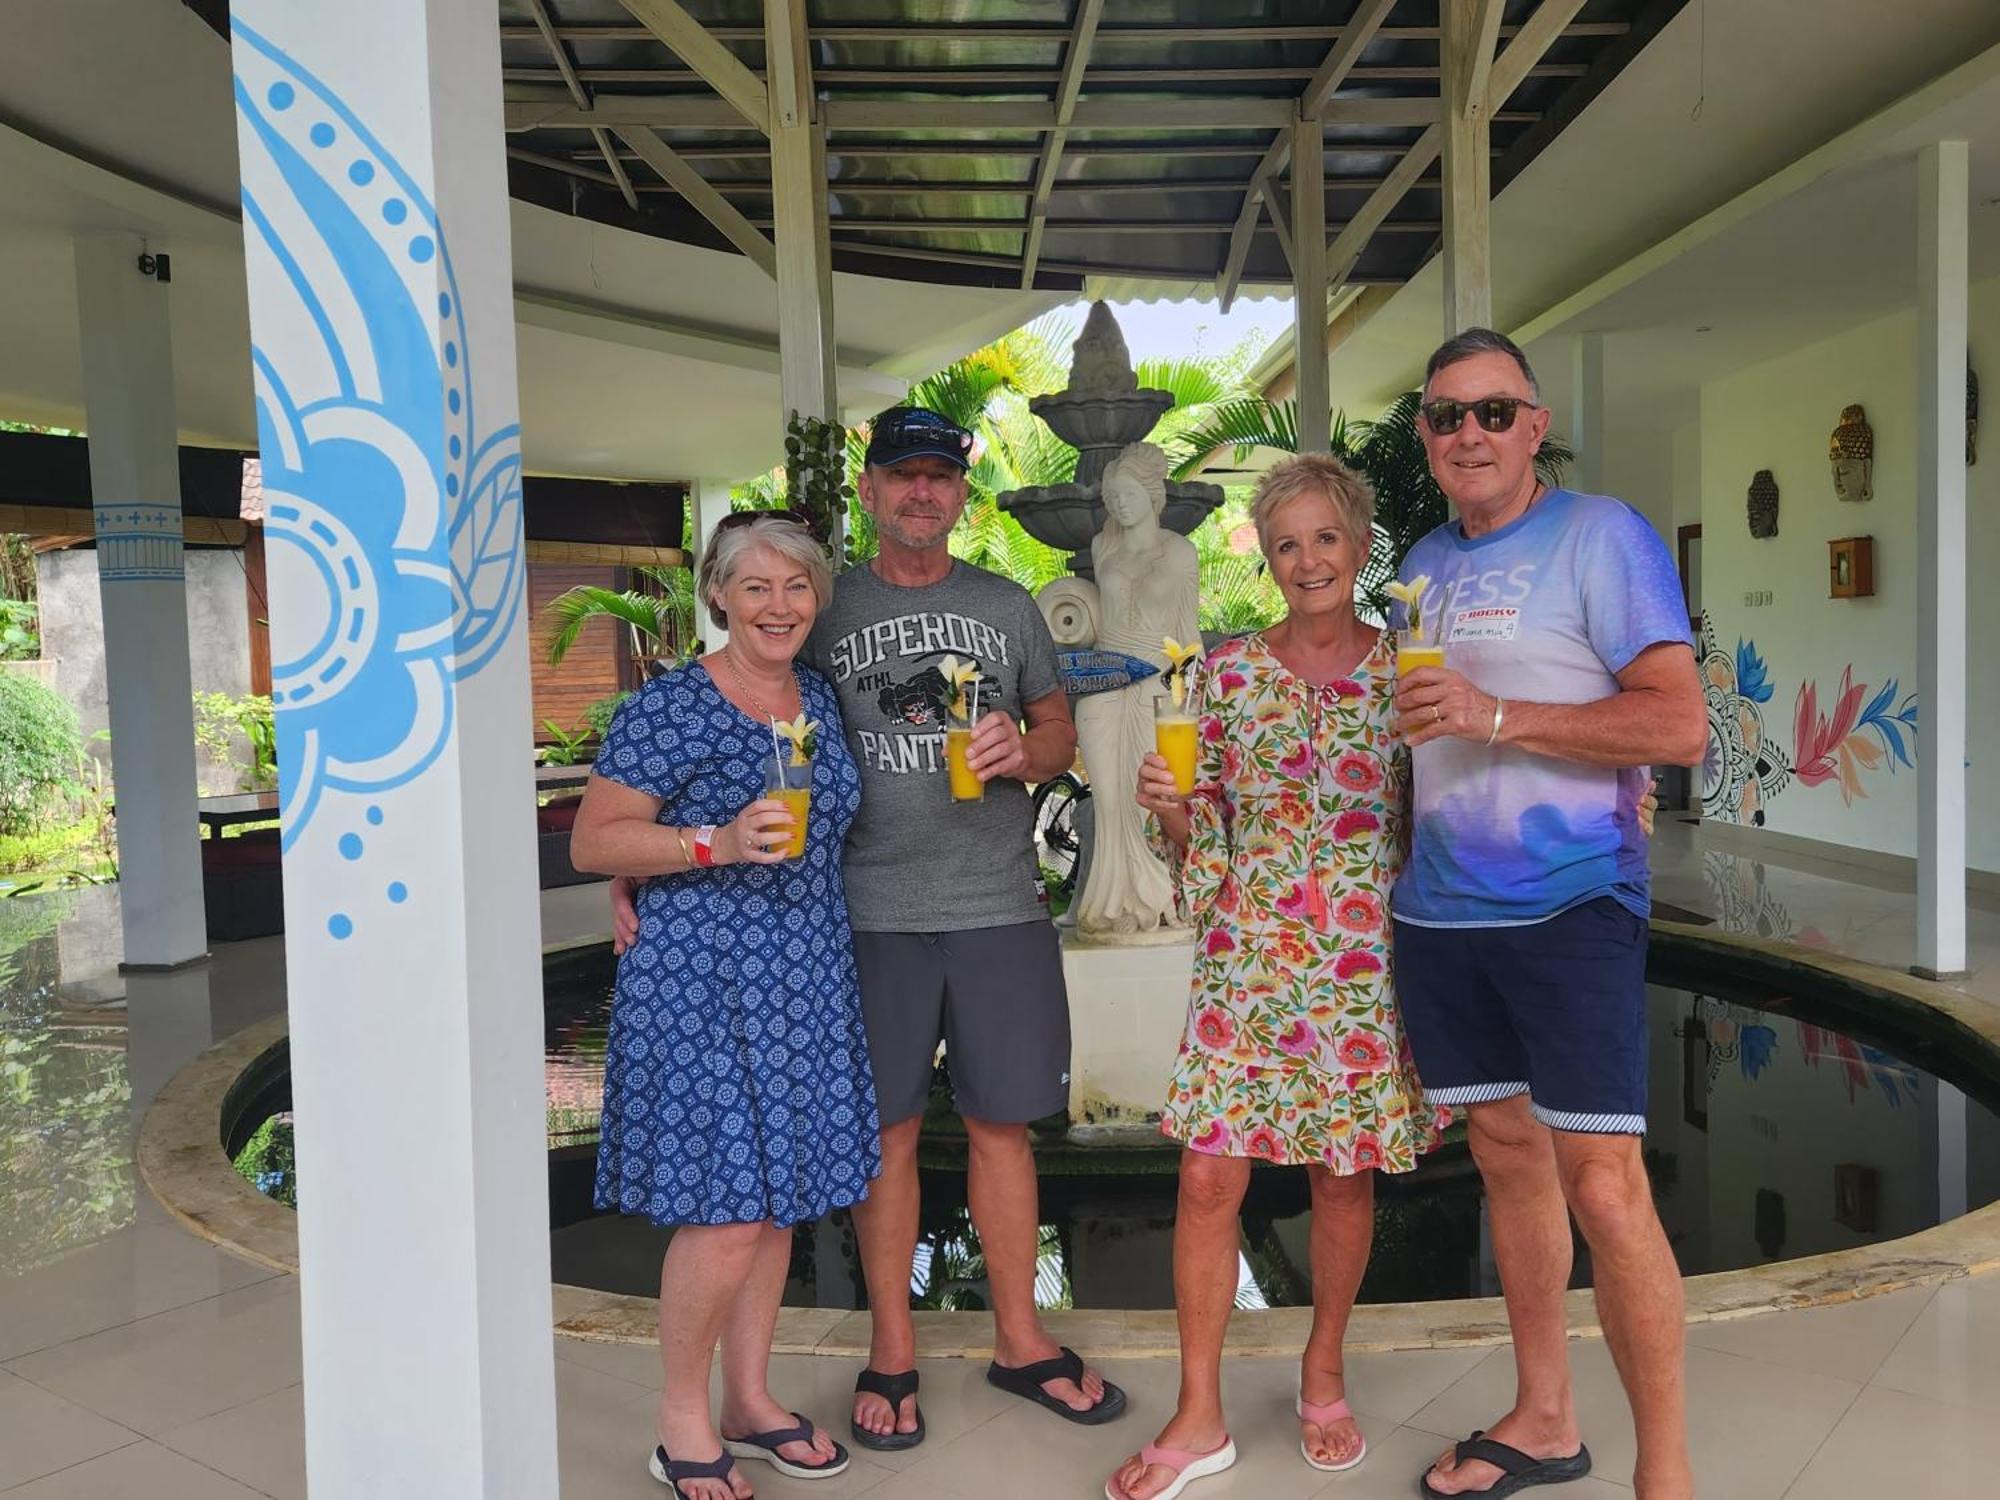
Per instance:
{"type": "Point", "coordinates": [737, 1086]}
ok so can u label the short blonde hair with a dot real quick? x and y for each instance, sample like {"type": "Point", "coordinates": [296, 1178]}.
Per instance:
{"type": "Point", "coordinates": [728, 546]}
{"type": "Point", "coordinates": [1352, 495]}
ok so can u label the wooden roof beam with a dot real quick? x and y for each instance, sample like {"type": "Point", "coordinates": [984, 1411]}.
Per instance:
{"type": "Point", "coordinates": [685, 37]}
{"type": "Point", "coordinates": [1076, 57]}
{"type": "Point", "coordinates": [706, 201]}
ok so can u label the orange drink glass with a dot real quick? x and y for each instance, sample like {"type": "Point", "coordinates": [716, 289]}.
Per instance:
{"type": "Point", "coordinates": [791, 784]}
{"type": "Point", "coordinates": [965, 783]}
{"type": "Point", "coordinates": [1176, 737]}
{"type": "Point", "coordinates": [1414, 650]}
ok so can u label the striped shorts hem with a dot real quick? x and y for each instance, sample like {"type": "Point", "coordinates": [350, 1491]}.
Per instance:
{"type": "Point", "coordinates": [1577, 1123]}
{"type": "Point", "coordinates": [1474, 1093]}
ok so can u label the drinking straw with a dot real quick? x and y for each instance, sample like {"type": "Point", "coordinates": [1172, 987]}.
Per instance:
{"type": "Point", "coordinates": [777, 754]}
{"type": "Point", "coordinates": [973, 717]}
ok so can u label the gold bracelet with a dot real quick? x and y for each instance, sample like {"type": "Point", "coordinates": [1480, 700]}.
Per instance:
{"type": "Point", "coordinates": [687, 854]}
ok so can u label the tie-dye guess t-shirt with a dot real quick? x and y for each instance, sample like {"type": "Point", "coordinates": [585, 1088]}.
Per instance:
{"type": "Point", "coordinates": [1548, 609]}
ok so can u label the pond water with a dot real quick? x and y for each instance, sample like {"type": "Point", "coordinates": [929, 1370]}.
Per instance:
{"type": "Point", "coordinates": [1788, 1117]}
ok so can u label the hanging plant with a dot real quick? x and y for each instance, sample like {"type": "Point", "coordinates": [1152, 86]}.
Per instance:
{"type": "Point", "coordinates": [816, 474]}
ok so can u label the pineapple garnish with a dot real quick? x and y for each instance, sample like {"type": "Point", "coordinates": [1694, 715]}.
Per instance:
{"type": "Point", "coordinates": [1411, 596]}
{"type": "Point", "coordinates": [1180, 662]}
{"type": "Point", "coordinates": [804, 735]}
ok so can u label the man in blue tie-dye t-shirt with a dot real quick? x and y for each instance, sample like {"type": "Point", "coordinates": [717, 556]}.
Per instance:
{"type": "Point", "coordinates": [1521, 915]}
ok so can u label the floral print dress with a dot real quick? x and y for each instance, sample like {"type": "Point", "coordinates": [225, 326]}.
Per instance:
{"type": "Point", "coordinates": [1293, 1051]}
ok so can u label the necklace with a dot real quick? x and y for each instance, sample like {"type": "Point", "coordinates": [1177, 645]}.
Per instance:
{"type": "Point", "coordinates": [743, 682]}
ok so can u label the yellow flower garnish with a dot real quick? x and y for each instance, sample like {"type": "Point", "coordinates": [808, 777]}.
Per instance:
{"type": "Point", "coordinates": [803, 733]}
{"type": "Point", "coordinates": [960, 675]}
{"type": "Point", "coordinates": [1411, 596]}
{"type": "Point", "coordinates": [1179, 659]}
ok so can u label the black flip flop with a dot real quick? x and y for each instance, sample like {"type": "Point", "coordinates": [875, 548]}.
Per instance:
{"type": "Point", "coordinates": [892, 1389]}
{"type": "Point", "coordinates": [764, 1447]}
{"type": "Point", "coordinates": [1518, 1471]}
{"type": "Point", "coordinates": [1026, 1381]}
{"type": "Point", "coordinates": [671, 1471]}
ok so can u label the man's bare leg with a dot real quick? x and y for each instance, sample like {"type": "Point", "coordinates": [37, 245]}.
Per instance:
{"type": "Point", "coordinates": [885, 1223]}
{"type": "Point", "coordinates": [1343, 1230]}
{"type": "Point", "coordinates": [1531, 1245]}
{"type": "Point", "coordinates": [1639, 1300]}
{"type": "Point", "coordinates": [1208, 1242]}
{"type": "Point", "coordinates": [1000, 1189]}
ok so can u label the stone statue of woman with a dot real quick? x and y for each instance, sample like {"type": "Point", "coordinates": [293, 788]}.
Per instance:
{"type": "Point", "coordinates": [1148, 587]}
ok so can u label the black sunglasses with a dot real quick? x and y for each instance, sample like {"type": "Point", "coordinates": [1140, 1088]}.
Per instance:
{"type": "Point", "coordinates": [1494, 413]}
{"type": "Point", "coordinates": [919, 428]}
{"type": "Point", "coordinates": [745, 517]}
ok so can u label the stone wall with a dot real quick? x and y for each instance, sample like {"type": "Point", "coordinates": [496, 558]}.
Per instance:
{"type": "Point", "coordinates": [72, 629]}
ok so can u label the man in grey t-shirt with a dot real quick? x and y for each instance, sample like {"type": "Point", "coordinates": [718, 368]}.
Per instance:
{"type": "Point", "coordinates": [951, 937]}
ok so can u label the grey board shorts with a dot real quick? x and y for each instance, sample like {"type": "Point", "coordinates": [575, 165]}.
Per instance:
{"type": "Point", "coordinates": [993, 995]}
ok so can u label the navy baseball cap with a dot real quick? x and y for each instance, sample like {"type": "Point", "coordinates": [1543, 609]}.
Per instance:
{"type": "Point", "coordinates": [915, 432]}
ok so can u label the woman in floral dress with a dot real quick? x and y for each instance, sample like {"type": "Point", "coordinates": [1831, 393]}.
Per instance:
{"type": "Point", "coordinates": [1293, 1053]}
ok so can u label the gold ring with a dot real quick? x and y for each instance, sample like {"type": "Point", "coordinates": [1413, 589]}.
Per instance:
{"type": "Point", "coordinates": [1437, 714]}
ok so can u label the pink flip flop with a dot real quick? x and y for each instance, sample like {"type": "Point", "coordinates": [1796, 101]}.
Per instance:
{"type": "Point", "coordinates": [1319, 1413]}
{"type": "Point", "coordinates": [1187, 1467]}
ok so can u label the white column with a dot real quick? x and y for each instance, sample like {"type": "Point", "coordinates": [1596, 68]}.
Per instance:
{"type": "Point", "coordinates": [1586, 412]}
{"type": "Point", "coordinates": [708, 500]}
{"type": "Point", "coordinates": [798, 218]}
{"type": "Point", "coordinates": [1466, 49]}
{"type": "Point", "coordinates": [1942, 177]}
{"type": "Point", "coordinates": [375, 226]}
{"type": "Point", "coordinates": [135, 485]}
{"type": "Point", "coordinates": [1309, 289]}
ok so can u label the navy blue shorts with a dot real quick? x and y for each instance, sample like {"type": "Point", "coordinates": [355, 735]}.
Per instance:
{"type": "Point", "coordinates": [1555, 1010]}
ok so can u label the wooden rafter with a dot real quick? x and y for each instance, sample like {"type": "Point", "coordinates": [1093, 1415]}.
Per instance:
{"type": "Point", "coordinates": [706, 201]}
{"type": "Point", "coordinates": [1319, 91]}
{"type": "Point", "coordinates": [528, 107]}
{"type": "Point", "coordinates": [581, 95]}
{"type": "Point", "coordinates": [1076, 57]}
{"type": "Point", "coordinates": [1126, 32]}
{"type": "Point", "coordinates": [1509, 69]}
{"type": "Point", "coordinates": [1465, 87]}
{"type": "Point", "coordinates": [685, 37]}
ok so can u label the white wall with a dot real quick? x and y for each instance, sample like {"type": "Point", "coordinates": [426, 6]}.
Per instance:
{"type": "Point", "coordinates": [1778, 415]}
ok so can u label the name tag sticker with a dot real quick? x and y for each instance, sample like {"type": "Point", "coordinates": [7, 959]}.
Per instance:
{"type": "Point", "coordinates": [1495, 623]}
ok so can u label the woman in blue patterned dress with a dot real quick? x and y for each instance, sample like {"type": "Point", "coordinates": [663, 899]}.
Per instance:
{"type": "Point", "coordinates": [737, 1095]}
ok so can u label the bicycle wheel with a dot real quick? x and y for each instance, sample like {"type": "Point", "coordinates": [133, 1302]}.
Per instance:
{"type": "Point", "coordinates": [1057, 844]}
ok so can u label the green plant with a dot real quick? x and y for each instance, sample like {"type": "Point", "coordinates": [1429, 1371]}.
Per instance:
{"type": "Point", "coordinates": [564, 748]}
{"type": "Point", "coordinates": [219, 718]}
{"type": "Point", "coordinates": [20, 639]}
{"type": "Point", "coordinates": [269, 1161]}
{"type": "Point", "coordinates": [598, 716]}
{"type": "Point", "coordinates": [660, 617]}
{"type": "Point", "coordinates": [41, 757]}
{"type": "Point", "coordinates": [816, 473]}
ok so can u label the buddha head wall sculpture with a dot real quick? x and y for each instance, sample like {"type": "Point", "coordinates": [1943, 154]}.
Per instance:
{"type": "Point", "coordinates": [1763, 504]}
{"type": "Point", "coordinates": [1852, 449]}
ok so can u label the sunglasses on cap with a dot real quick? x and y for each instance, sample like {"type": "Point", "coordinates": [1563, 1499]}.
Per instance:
{"type": "Point", "coordinates": [744, 517]}
{"type": "Point", "coordinates": [1494, 413]}
{"type": "Point", "coordinates": [912, 432]}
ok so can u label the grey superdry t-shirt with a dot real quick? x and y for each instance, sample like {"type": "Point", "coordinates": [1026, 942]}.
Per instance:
{"type": "Point", "coordinates": [916, 860]}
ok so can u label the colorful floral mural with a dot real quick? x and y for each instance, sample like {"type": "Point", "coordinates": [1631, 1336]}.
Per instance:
{"type": "Point", "coordinates": [1859, 1063]}
{"type": "Point", "coordinates": [1745, 767]}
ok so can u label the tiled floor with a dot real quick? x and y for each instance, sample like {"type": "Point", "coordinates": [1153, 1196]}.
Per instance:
{"type": "Point", "coordinates": [137, 1361]}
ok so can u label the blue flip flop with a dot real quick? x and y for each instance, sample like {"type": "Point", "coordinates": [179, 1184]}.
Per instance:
{"type": "Point", "coordinates": [764, 1447]}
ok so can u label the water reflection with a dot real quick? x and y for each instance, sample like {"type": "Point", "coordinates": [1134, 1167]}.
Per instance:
{"type": "Point", "coordinates": [65, 1099]}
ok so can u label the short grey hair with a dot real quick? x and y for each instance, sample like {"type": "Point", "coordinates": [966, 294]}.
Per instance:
{"type": "Point", "coordinates": [1352, 496]}
{"type": "Point", "coordinates": [1474, 342]}
{"type": "Point", "coordinates": [728, 546]}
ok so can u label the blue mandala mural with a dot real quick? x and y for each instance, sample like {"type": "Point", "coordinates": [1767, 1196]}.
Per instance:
{"type": "Point", "coordinates": [394, 515]}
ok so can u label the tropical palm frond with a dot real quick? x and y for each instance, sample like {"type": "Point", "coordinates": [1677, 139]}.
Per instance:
{"type": "Point", "coordinates": [1190, 381]}
{"type": "Point", "coordinates": [570, 612]}
{"type": "Point", "coordinates": [1243, 425]}
{"type": "Point", "coordinates": [960, 390]}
